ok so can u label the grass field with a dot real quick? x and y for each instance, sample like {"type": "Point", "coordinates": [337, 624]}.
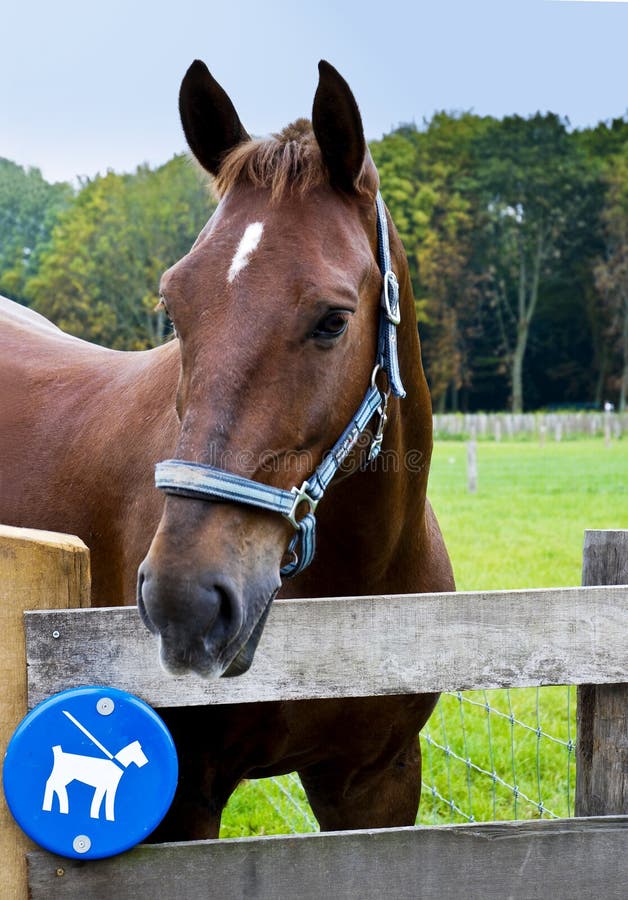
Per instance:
{"type": "Point", "coordinates": [523, 528]}
{"type": "Point", "coordinates": [525, 525]}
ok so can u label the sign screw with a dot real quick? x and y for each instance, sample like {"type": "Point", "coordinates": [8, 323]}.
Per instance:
{"type": "Point", "coordinates": [81, 843]}
{"type": "Point", "coordinates": [60, 872]}
{"type": "Point", "coordinates": [105, 706]}
{"type": "Point", "coordinates": [55, 634]}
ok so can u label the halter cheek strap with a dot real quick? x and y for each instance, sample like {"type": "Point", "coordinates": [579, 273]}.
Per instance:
{"type": "Point", "coordinates": [199, 481]}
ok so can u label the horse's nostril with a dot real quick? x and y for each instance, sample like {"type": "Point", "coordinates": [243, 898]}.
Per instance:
{"type": "Point", "coordinates": [141, 606]}
{"type": "Point", "coordinates": [219, 614]}
{"type": "Point", "coordinates": [186, 611]}
{"type": "Point", "coordinates": [228, 608]}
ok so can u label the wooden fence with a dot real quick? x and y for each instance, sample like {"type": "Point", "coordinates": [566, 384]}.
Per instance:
{"type": "Point", "coordinates": [397, 644]}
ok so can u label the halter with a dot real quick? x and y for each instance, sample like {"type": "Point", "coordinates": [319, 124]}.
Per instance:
{"type": "Point", "coordinates": [199, 481]}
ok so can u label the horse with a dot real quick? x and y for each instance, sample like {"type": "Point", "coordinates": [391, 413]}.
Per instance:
{"type": "Point", "coordinates": [279, 310]}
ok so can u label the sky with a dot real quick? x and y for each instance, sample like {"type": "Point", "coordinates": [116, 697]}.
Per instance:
{"type": "Point", "coordinates": [90, 86]}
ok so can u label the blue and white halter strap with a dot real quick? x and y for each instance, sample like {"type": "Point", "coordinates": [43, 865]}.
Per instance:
{"type": "Point", "coordinates": [199, 481]}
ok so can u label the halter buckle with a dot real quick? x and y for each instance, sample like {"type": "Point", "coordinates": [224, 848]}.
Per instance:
{"type": "Point", "coordinates": [300, 496]}
{"type": "Point", "coordinates": [378, 438]}
{"type": "Point", "coordinates": [390, 297]}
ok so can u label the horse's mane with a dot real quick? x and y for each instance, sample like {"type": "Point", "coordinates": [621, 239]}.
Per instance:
{"type": "Point", "coordinates": [290, 161]}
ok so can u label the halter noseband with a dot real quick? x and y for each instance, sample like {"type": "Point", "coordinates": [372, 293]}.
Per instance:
{"type": "Point", "coordinates": [199, 481]}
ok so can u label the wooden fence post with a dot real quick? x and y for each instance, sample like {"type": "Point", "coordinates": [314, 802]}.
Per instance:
{"type": "Point", "coordinates": [38, 570]}
{"type": "Point", "coordinates": [602, 748]}
{"type": "Point", "coordinates": [472, 462]}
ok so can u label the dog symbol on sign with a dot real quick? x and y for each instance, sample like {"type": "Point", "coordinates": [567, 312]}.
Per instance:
{"type": "Point", "coordinates": [102, 774]}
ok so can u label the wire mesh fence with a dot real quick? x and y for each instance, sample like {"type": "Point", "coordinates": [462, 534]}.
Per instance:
{"type": "Point", "coordinates": [496, 755]}
{"type": "Point", "coordinates": [487, 756]}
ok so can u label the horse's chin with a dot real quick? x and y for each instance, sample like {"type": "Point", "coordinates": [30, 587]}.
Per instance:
{"type": "Point", "coordinates": [235, 659]}
{"type": "Point", "coordinates": [241, 662]}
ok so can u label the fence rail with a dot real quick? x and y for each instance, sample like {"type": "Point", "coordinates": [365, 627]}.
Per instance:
{"type": "Point", "coordinates": [365, 646]}
{"type": "Point", "coordinates": [519, 860]}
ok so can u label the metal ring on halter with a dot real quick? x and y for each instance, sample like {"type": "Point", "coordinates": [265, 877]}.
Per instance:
{"type": "Point", "coordinates": [376, 369]}
{"type": "Point", "coordinates": [385, 393]}
{"type": "Point", "coordinates": [393, 313]}
{"type": "Point", "coordinates": [300, 496]}
{"type": "Point", "coordinates": [378, 437]}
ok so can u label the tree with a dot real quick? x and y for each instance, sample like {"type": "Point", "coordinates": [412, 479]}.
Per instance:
{"type": "Point", "coordinates": [29, 207]}
{"type": "Point", "coordinates": [428, 183]}
{"type": "Point", "coordinates": [611, 271]}
{"type": "Point", "coordinates": [535, 183]}
{"type": "Point", "coordinates": [99, 275]}
{"type": "Point", "coordinates": [449, 280]}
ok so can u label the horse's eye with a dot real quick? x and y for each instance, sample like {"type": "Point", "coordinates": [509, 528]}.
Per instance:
{"type": "Point", "coordinates": [331, 325]}
{"type": "Point", "coordinates": [162, 305]}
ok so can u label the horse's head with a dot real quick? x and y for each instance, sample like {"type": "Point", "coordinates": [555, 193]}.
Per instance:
{"type": "Point", "coordinates": [276, 312]}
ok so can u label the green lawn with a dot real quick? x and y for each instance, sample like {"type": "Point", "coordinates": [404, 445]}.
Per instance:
{"type": "Point", "coordinates": [523, 528]}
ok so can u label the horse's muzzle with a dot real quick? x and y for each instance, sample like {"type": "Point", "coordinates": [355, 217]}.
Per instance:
{"type": "Point", "coordinates": [206, 624]}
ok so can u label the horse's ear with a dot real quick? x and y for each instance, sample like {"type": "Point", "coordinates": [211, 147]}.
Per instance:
{"type": "Point", "coordinates": [338, 128]}
{"type": "Point", "coordinates": [211, 124]}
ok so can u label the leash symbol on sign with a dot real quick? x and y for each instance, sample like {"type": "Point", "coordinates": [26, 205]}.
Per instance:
{"type": "Point", "coordinates": [102, 774]}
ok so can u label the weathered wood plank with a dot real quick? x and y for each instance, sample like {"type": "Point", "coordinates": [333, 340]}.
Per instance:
{"type": "Point", "coordinates": [602, 748]}
{"type": "Point", "coordinates": [356, 647]}
{"type": "Point", "coordinates": [37, 569]}
{"type": "Point", "coordinates": [565, 860]}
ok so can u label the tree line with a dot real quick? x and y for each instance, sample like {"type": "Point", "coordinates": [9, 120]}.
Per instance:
{"type": "Point", "coordinates": [516, 232]}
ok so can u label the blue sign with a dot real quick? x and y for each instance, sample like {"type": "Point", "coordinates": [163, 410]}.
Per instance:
{"type": "Point", "coordinates": [90, 772]}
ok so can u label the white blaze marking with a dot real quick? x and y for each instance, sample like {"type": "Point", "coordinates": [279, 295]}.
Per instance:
{"type": "Point", "coordinates": [246, 247]}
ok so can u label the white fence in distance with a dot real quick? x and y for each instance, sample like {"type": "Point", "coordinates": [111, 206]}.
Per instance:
{"type": "Point", "coordinates": [536, 425]}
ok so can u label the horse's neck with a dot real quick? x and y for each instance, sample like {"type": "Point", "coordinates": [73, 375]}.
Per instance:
{"type": "Point", "coordinates": [153, 376]}
{"type": "Point", "coordinates": [129, 426]}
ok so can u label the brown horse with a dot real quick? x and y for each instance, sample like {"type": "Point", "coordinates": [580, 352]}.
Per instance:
{"type": "Point", "coordinates": [276, 310]}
